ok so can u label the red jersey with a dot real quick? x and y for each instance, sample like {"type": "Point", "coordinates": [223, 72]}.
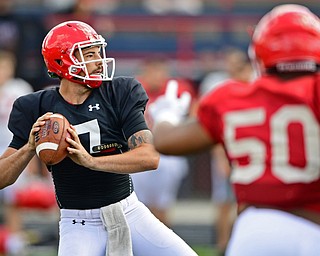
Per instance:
{"type": "Point", "coordinates": [271, 133]}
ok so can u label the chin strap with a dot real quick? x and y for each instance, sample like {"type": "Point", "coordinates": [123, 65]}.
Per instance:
{"type": "Point", "coordinates": [93, 83]}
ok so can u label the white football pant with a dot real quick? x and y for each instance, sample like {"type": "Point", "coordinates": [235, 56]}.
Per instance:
{"type": "Point", "coordinates": [267, 232]}
{"type": "Point", "coordinates": [82, 233]}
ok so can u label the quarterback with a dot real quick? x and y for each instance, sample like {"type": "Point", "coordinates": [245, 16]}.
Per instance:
{"type": "Point", "coordinates": [100, 212]}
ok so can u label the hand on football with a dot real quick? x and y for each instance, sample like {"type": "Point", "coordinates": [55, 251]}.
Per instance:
{"type": "Point", "coordinates": [36, 128]}
{"type": "Point", "coordinates": [169, 107]}
{"type": "Point", "coordinates": [77, 152]}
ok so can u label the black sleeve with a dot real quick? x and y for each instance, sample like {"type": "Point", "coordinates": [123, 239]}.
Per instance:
{"type": "Point", "coordinates": [23, 115]}
{"type": "Point", "coordinates": [132, 103]}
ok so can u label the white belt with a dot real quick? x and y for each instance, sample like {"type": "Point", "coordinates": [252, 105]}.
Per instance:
{"type": "Point", "coordinates": [95, 213]}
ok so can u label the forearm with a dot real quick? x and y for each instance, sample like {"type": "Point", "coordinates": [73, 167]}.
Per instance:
{"type": "Point", "coordinates": [142, 158]}
{"type": "Point", "coordinates": [183, 139]}
{"type": "Point", "coordinates": [12, 163]}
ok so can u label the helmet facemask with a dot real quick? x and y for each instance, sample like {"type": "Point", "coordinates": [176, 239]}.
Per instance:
{"type": "Point", "coordinates": [95, 80]}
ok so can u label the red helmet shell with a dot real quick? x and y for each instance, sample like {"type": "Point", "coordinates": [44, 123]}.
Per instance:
{"type": "Point", "coordinates": [287, 33]}
{"type": "Point", "coordinates": [58, 51]}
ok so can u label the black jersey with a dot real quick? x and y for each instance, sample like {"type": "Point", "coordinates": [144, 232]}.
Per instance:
{"type": "Point", "coordinates": [104, 122]}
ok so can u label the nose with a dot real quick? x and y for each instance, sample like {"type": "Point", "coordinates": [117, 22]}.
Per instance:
{"type": "Point", "coordinates": [99, 62]}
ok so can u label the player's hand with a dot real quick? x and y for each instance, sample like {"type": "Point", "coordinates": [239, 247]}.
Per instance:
{"type": "Point", "coordinates": [169, 107]}
{"type": "Point", "coordinates": [77, 152]}
{"type": "Point", "coordinates": [36, 128]}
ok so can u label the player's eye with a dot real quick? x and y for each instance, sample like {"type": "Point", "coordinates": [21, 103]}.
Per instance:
{"type": "Point", "coordinates": [88, 56]}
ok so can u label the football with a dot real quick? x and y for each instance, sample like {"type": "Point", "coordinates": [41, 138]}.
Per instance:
{"type": "Point", "coordinates": [50, 141]}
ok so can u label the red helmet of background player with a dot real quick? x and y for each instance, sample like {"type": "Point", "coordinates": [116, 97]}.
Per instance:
{"type": "Point", "coordinates": [288, 39]}
{"type": "Point", "coordinates": [58, 49]}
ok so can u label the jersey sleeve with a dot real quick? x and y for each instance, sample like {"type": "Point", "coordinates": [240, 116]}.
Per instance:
{"type": "Point", "coordinates": [132, 99]}
{"type": "Point", "coordinates": [212, 107]}
{"type": "Point", "coordinates": [22, 117]}
{"type": "Point", "coordinates": [209, 118]}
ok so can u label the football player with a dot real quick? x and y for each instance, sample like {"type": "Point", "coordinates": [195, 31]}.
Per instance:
{"type": "Point", "coordinates": [159, 190]}
{"type": "Point", "coordinates": [270, 130]}
{"type": "Point", "coordinates": [100, 213]}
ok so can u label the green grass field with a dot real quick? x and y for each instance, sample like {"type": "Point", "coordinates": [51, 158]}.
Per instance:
{"type": "Point", "coordinates": [205, 251]}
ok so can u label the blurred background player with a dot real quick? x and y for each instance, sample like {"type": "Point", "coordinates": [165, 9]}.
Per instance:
{"type": "Point", "coordinates": [10, 89]}
{"type": "Point", "coordinates": [237, 66]}
{"type": "Point", "coordinates": [20, 195]}
{"type": "Point", "coordinates": [159, 189]}
{"type": "Point", "coordinates": [270, 130]}
{"type": "Point", "coordinates": [13, 241]}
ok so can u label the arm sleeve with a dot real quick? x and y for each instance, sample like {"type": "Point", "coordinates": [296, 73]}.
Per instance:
{"type": "Point", "coordinates": [209, 118]}
{"type": "Point", "coordinates": [22, 117]}
{"type": "Point", "coordinates": [132, 103]}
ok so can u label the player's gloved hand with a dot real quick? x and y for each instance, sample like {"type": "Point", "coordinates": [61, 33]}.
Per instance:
{"type": "Point", "coordinates": [169, 107]}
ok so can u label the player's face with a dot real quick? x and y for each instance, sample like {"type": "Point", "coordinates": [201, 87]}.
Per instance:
{"type": "Point", "coordinates": [92, 55]}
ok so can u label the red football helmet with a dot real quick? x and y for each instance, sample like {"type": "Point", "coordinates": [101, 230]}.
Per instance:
{"type": "Point", "coordinates": [288, 39]}
{"type": "Point", "coordinates": [58, 50]}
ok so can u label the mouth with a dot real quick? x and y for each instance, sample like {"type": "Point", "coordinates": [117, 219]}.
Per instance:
{"type": "Point", "coordinates": [97, 72]}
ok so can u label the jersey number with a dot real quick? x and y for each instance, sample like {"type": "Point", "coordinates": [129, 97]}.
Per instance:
{"type": "Point", "coordinates": [255, 148]}
{"type": "Point", "coordinates": [91, 127]}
